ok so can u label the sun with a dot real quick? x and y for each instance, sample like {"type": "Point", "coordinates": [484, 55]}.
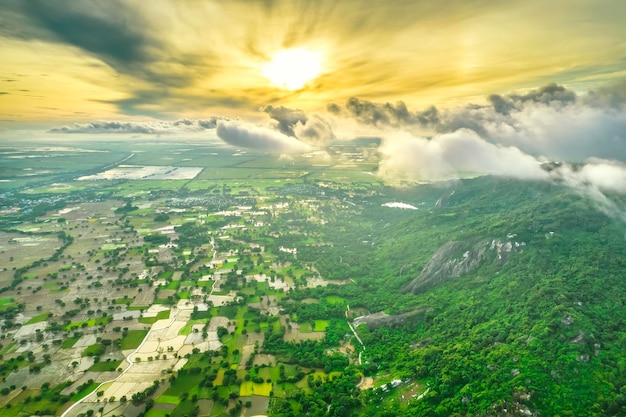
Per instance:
{"type": "Point", "coordinates": [291, 69]}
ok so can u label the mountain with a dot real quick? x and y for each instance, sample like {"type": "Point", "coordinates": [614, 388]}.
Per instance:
{"type": "Point", "coordinates": [525, 281]}
{"type": "Point", "coordinates": [522, 286]}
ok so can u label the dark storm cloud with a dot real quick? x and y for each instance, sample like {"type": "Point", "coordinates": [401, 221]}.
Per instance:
{"type": "Point", "coordinates": [387, 114]}
{"type": "Point", "coordinates": [551, 121]}
{"type": "Point", "coordinates": [501, 104]}
{"type": "Point", "coordinates": [333, 108]}
{"type": "Point", "coordinates": [111, 31]}
{"type": "Point", "coordinates": [151, 127]}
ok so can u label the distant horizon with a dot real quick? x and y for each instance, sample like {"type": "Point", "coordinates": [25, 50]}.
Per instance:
{"type": "Point", "coordinates": [470, 87]}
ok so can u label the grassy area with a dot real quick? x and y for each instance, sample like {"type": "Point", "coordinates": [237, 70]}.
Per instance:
{"type": "Point", "coordinates": [94, 350]}
{"type": "Point", "coordinates": [188, 327]}
{"type": "Point", "coordinates": [107, 366]}
{"type": "Point", "coordinates": [157, 413]}
{"type": "Point", "coordinates": [172, 285]}
{"type": "Point", "coordinates": [333, 299]}
{"type": "Point", "coordinates": [305, 327]}
{"type": "Point", "coordinates": [85, 391]}
{"type": "Point", "coordinates": [184, 294]}
{"type": "Point", "coordinates": [186, 384]}
{"type": "Point", "coordinates": [320, 325]}
{"type": "Point", "coordinates": [4, 301]}
{"type": "Point", "coordinates": [165, 275]}
{"type": "Point", "coordinates": [38, 318]}
{"type": "Point", "coordinates": [168, 399]}
{"type": "Point", "coordinates": [100, 321]}
{"type": "Point", "coordinates": [133, 339]}
{"type": "Point", "coordinates": [161, 315]}
{"type": "Point", "coordinates": [228, 311]}
{"type": "Point", "coordinates": [69, 342]}
{"type": "Point", "coordinates": [249, 388]}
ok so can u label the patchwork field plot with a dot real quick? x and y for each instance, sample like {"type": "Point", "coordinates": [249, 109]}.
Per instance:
{"type": "Point", "coordinates": [138, 172]}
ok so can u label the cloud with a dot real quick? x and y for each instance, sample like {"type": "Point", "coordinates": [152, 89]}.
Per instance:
{"type": "Point", "coordinates": [612, 96]}
{"type": "Point", "coordinates": [387, 114]}
{"type": "Point", "coordinates": [596, 179]}
{"type": "Point", "coordinates": [245, 135]}
{"type": "Point", "coordinates": [316, 131]}
{"type": "Point", "coordinates": [514, 134]}
{"type": "Point", "coordinates": [452, 155]}
{"type": "Point", "coordinates": [313, 129]}
{"type": "Point", "coordinates": [548, 95]}
{"type": "Point", "coordinates": [550, 122]}
{"type": "Point", "coordinates": [151, 127]}
{"type": "Point", "coordinates": [109, 30]}
{"type": "Point", "coordinates": [285, 118]}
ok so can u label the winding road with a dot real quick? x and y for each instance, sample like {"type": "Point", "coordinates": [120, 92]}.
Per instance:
{"type": "Point", "coordinates": [129, 358]}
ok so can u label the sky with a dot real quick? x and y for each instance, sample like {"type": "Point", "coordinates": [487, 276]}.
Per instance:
{"type": "Point", "coordinates": [512, 84]}
{"type": "Point", "coordinates": [65, 60]}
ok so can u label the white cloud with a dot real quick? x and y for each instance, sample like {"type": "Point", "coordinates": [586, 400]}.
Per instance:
{"type": "Point", "coordinates": [573, 133]}
{"type": "Point", "coordinates": [246, 135]}
{"type": "Point", "coordinates": [452, 155]}
{"type": "Point", "coordinates": [595, 180]}
{"type": "Point", "coordinates": [149, 127]}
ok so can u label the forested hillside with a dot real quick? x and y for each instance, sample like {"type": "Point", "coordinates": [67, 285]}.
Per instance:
{"type": "Point", "coordinates": [539, 331]}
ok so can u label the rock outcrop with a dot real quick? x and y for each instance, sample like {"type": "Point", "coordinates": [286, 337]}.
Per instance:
{"type": "Point", "coordinates": [457, 258]}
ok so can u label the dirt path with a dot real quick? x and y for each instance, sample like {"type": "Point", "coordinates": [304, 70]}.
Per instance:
{"type": "Point", "coordinates": [130, 364]}
{"type": "Point", "coordinates": [354, 332]}
{"type": "Point", "coordinates": [129, 358]}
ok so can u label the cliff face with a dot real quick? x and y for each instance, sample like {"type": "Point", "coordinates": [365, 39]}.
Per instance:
{"type": "Point", "coordinates": [457, 258]}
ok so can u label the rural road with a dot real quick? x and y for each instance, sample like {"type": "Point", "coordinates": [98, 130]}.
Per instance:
{"type": "Point", "coordinates": [130, 364]}
{"type": "Point", "coordinates": [67, 412]}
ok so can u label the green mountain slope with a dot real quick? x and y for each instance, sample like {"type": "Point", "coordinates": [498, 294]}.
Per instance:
{"type": "Point", "coordinates": [541, 332]}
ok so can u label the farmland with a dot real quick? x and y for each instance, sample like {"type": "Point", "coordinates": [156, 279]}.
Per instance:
{"type": "Point", "coordinates": [144, 277]}
{"type": "Point", "coordinates": [186, 278]}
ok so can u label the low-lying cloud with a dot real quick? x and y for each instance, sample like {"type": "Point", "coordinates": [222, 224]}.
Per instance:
{"type": "Point", "coordinates": [249, 136]}
{"type": "Point", "coordinates": [158, 127]}
{"type": "Point", "coordinates": [551, 122]}
{"type": "Point", "coordinates": [596, 179]}
{"type": "Point", "coordinates": [451, 155]}
{"type": "Point", "coordinates": [513, 135]}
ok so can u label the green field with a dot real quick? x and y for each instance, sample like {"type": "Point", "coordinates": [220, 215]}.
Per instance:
{"type": "Point", "coordinates": [38, 318]}
{"type": "Point", "coordinates": [133, 339]}
{"type": "Point", "coordinates": [69, 342]}
{"type": "Point", "coordinates": [168, 399]}
{"type": "Point", "coordinates": [248, 388]}
{"type": "Point", "coordinates": [85, 391]}
{"type": "Point", "coordinates": [100, 321]}
{"type": "Point", "coordinates": [106, 366]}
{"type": "Point", "coordinates": [320, 325]}
{"type": "Point", "coordinates": [161, 315]}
